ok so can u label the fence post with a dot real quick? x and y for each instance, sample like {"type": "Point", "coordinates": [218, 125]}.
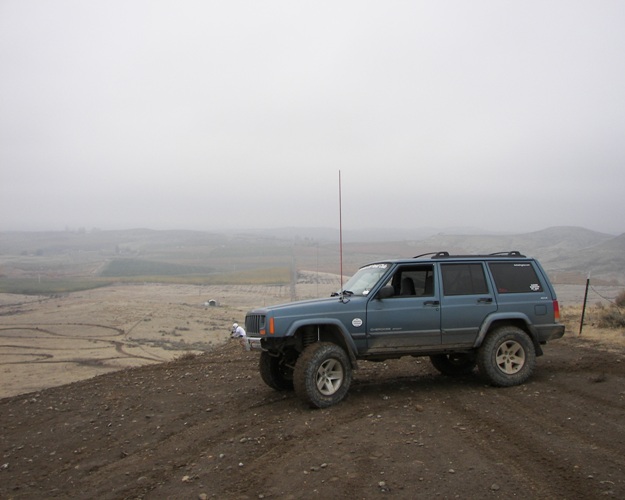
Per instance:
{"type": "Point", "coordinates": [581, 321]}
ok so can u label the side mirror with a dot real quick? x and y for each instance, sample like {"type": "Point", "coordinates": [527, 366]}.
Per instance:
{"type": "Point", "coordinates": [385, 292]}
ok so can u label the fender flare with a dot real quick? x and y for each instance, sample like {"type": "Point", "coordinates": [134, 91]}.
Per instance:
{"type": "Point", "coordinates": [492, 318]}
{"type": "Point", "coordinates": [346, 338]}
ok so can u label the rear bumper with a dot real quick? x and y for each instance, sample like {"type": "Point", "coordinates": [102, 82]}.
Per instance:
{"type": "Point", "coordinates": [550, 332]}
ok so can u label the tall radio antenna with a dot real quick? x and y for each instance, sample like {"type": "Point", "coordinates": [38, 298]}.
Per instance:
{"type": "Point", "coordinates": [340, 232]}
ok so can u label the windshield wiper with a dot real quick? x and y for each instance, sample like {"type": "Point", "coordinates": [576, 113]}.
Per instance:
{"type": "Point", "coordinates": [346, 293]}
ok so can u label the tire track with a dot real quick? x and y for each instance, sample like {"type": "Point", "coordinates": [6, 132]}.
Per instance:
{"type": "Point", "coordinates": [119, 346]}
{"type": "Point", "coordinates": [546, 454]}
{"type": "Point", "coordinates": [572, 387]}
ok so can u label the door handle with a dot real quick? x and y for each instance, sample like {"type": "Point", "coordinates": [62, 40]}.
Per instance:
{"type": "Point", "coordinates": [431, 303]}
{"type": "Point", "coordinates": [485, 300]}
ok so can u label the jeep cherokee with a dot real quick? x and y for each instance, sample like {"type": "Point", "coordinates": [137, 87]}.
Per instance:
{"type": "Point", "coordinates": [491, 311]}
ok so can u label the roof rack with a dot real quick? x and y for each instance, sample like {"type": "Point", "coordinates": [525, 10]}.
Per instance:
{"type": "Point", "coordinates": [512, 253]}
{"type": "Point", "coordinates": [446, 255]}
{"type": "Point", "coordinates": [429, 253]}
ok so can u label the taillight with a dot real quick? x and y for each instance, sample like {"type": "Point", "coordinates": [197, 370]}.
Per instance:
{"type": "Point", "coordinates": [556, 310]}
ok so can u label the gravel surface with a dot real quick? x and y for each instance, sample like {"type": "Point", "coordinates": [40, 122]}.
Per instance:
{"type": "Point", "coordinates": [207, 427]}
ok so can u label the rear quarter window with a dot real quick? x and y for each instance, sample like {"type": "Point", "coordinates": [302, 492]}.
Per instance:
{"type": "Point", "coordinates": [515, 277]}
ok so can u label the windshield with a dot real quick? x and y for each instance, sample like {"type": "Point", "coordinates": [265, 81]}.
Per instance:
{"type": "Point", "coordinates": [365, 279]}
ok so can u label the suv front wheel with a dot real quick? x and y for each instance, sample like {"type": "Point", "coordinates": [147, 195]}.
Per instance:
{"type": "Point", "coordinates": [507, 357]}
{"type": "Point", "coordinates": [322, 374]}
{"type": "Point", "coordinates": [275, 373]}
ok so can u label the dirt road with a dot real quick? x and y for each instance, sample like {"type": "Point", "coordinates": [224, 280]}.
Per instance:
{"type": "Point", "coordinates": [207, 427]}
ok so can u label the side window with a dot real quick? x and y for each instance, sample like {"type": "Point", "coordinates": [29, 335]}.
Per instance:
{"type": "Point", "coordinates": [413, 281]}
{"type": "Point", "coordinates": [515, 277]}
{"type": "Point", "coordinates": [463, 279]}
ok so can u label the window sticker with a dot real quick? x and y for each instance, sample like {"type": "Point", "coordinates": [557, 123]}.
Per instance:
{"type": "Point", "coordinates": [376, 266]}
{"type": "Point", "coordinates": [535, 287]}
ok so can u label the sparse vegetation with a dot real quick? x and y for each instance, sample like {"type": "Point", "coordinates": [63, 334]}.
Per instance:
{"type": "Point", "coordinates": [187, 356]}
{"type": "Point", "coordinates": [613, 317]}
{"type": "Point", "coordinates": [602, 323]}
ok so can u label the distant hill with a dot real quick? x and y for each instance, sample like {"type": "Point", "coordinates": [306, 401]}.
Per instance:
{"type": "Point", "coordinates": [546, 243]}
{"type": "Point", "coordinates": [368, 235]}
{"type": "Point", "coordinates": [606, 259]}
{"type": "Point", "coordinates": [567, 253]}
{"type": "Point", "coordinates": [560, 249]}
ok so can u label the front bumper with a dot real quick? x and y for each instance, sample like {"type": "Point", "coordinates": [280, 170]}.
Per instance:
{"type": "Point", "coordinates": [252, 344]}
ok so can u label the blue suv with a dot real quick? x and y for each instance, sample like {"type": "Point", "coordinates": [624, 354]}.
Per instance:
{"type": "Point", "coordinates": [491, 311]}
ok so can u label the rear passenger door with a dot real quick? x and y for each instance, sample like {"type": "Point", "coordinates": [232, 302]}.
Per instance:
{"type": "Point", "coordinates": [466, 300]}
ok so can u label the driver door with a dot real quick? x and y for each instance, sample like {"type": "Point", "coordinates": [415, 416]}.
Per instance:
{"type": "Point", "coordinates": [411, 317]}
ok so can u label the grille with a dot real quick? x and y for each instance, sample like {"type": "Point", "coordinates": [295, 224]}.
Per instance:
{"type": "Point", "coordinates": [254, 323]}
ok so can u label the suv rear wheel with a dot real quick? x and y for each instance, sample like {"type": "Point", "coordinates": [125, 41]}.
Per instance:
{"type": "Point", "coordinates": [455, 364]}
{"type": "Point", "coordinates": [322, 374]}
{"type": "Point", "coordinates": [507, 357]}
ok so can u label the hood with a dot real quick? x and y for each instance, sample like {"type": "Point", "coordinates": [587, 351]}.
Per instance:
{"type": "Point", "coordinates": [328, 304]}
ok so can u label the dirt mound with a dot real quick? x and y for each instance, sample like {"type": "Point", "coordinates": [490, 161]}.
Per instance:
{"type": "Point", "coordinates": [206, 426]}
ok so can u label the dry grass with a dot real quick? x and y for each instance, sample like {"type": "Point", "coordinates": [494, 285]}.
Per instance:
{"type": "Point", "coordinates": [594, 327]}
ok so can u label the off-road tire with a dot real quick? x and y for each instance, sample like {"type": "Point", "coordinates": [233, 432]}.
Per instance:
{"type": "Point", "coordinates": [455, 364]}
{"type": "Point", "coordinates": [322, 375]}
{"type": "Point", "coordinates": [507, 357]}
{"type": "Point", "coordinates": [275, 373]}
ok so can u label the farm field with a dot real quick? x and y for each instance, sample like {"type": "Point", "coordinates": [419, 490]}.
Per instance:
{"type": "Point", "coordinates": [48, 341]}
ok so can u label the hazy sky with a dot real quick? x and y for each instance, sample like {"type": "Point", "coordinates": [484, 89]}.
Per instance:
{"type": "Point", "coordinates": [503, 115]}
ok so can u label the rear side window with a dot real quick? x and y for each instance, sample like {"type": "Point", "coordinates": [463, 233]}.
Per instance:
{"type": "Point", "coordinates": [463, 279]}
{"type": "Point", "coordinates": [515, 277]}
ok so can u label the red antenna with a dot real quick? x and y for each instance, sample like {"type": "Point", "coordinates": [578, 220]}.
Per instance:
{"type": "Point", "coordinates": [340, 231]}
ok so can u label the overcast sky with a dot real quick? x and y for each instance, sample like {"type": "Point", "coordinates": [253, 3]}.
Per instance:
{"type": "Point", "coordinates": [502, 115]}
